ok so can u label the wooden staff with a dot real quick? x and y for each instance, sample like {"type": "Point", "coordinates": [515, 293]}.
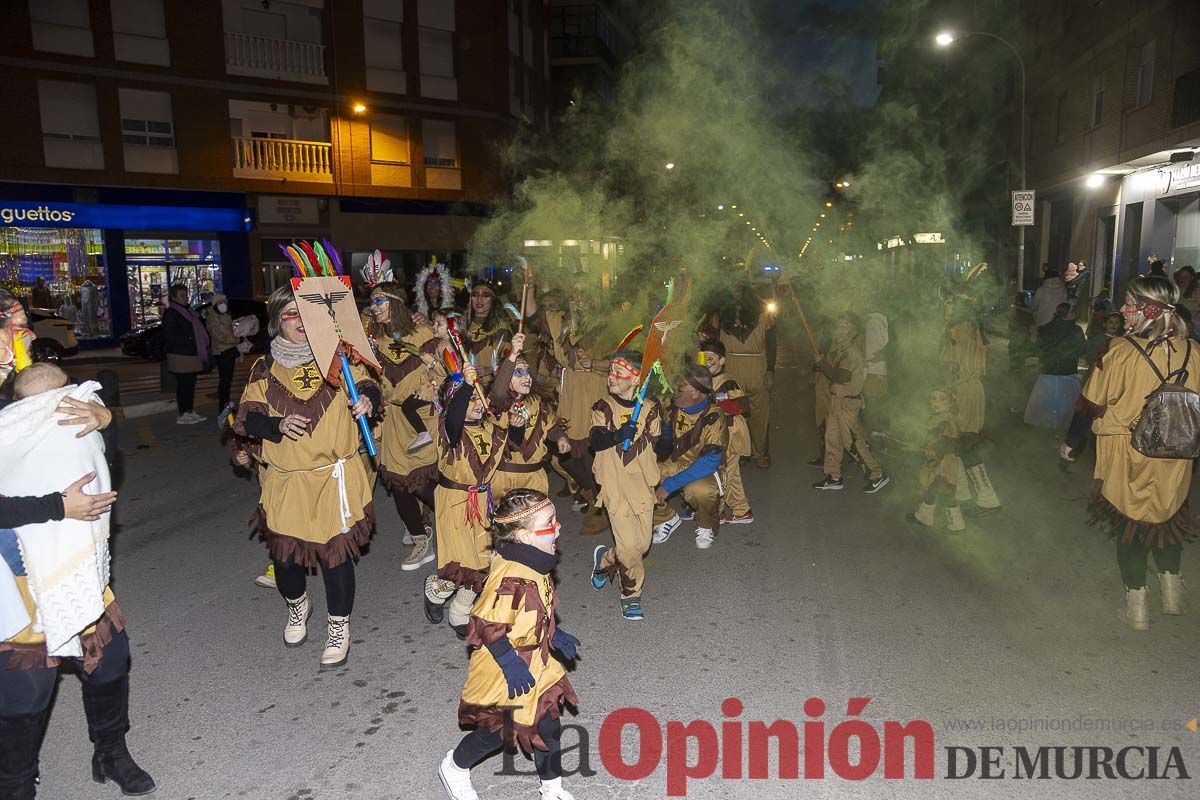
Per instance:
{"type": "Point", "coordinates": [803, 319]}
{"type": "Point", "coordinates": [524, 294]}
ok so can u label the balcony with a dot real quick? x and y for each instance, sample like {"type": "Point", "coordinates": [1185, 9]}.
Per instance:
{"type": "Point", "coordinates": [279, 59]}
{"type": "Point", "coordinates": [274, 159]}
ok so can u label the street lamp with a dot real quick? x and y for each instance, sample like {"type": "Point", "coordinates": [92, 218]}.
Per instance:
{"type": "Point", "coordinates": [670, 165]}
{"type": "Point", "coordinates": [945, 39]}
{"type": "Point", "coordinates": [1095, 180]}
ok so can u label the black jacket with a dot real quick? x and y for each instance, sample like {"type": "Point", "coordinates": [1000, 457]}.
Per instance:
{"type": "Point", "coordinates": [1061, 343]}
{"type": "Point", "coordinates": [178, 336]}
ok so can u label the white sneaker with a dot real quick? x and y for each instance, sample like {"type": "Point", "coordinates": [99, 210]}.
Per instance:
{"type": "Point", "coordinates": [457, 781]}
{"type": "Point", "coordinates": [553, 790]}
{"type": "Point", "coordinates": [663, 531]}
{"type": "Point", "coordinates": [422, 553]}
{"type": "Point", "coordinates": [337, 642]}
{"type": "Point", "coordinates": [704, 538]}
{"type": "Point", "coordinates": [186, 419]}
{"type": "Point", "coordinates": [423, 440]}
{"type": "Point", "coordinates": [296, 630]}
{"type": "Point", "coordinates": [195, 417]}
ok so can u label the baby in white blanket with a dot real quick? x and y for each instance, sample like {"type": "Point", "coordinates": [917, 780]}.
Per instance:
{"type": "Point", "coordinates": [66, 561]}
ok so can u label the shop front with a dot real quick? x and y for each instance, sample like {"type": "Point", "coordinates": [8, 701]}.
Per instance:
{"type": "Point", "coordinates": [1159, 219]}
{"type": "Point", "coordinates": [107, 267]}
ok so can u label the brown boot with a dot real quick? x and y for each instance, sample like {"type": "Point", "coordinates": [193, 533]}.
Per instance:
{"type": "Point", "coordinates": [595, 520]}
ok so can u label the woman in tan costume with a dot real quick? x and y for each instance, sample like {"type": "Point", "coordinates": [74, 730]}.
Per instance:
{"type": "Point", "coordinates": [515, 689]}
{"type": "Point", "coordinates": [748, 333]}
{"type": "Point", "coordinates": [487, 329]}
{"type": "Point", "coordinates": [409, 475]}
{"type": "Point", "coordinates": [1142, 501]}
{"type": "Point", "coordinates": [315, 507]}
{"type": "Point", "coordinates": [964, 352]}
{"type": "Point", "coordinates": [523, 465]}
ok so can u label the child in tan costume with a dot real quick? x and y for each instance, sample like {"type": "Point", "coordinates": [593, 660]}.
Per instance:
{"type": "Point", "coordinates": [515, 689]}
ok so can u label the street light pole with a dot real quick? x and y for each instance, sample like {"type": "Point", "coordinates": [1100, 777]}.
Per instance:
{"type": "Point", "coordinates": [945, 39]}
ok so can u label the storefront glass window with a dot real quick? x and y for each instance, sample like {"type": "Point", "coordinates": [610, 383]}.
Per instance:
{"type": "Point", "coordinates": [59, 272]}
{"type": "Point", "coordinates": [154, 264]}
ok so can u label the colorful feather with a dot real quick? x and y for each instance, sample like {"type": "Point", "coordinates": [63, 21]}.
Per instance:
{"type": "Point", "coordinates": [335, 257]}
{"type": "Point", "coordinates": [629, 337]}
{"type": "Point", "coordinates": [322, 259]}
{"type": "Point", "coordinates": [297, 260]}
{"type": "Point", "coordinates": [310, 256]}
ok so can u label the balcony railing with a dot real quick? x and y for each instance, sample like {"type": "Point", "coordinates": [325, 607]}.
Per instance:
{"type": "Point", "coordinates": [282, 59]}
{"type": "Point", "coordinates": [255, 157]}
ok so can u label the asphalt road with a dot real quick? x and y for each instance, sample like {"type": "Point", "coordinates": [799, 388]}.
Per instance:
{"type": "Point", "coordinates": [827, 595]}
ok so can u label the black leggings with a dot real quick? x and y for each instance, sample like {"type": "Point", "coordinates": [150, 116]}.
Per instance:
{"type": "Point", "coordinates": [481, 743]}
{"type": "Point", "coordinates": [408, 506]}
{"type": "Point", "coordinates": [1132, 559]}
{"type": "Point", "coordinates": [27, 691]}
{"type": "Point", "coordinates": [580, 470]}
{"type": "Point", "coordinates": [185, 390]}
{"type": "Point", "coordinates": [290, 578]}
{"type": "Point", "coordinates": [226, 361]}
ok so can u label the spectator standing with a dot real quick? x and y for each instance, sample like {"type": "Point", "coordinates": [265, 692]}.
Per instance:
{"type": "Point", "coordinates": [1060, 345]}
{"type": "Point", "coordinates": [219, 325]}
{"type": "Point", "coordinates": [187, 347]}
{"type": "Point", "coordinates": [1046, 299]}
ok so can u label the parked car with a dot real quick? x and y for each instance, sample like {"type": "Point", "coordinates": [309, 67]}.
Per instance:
{"type": "Point", "coordinates": [55, 336]}
{"type": "Point", "coordinates": [147, 341]}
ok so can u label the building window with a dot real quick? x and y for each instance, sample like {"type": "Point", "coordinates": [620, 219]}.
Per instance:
{"type": "Point", "coordinates": [382, 37]}
{"type": "Point", "coordinates": [1060, 115]}
{"type": "Point", "coordinates": [1097, 100]}
{"type": "Point", "coordinates": [1145, 75]}
{"type": "Point", "coordinates": [148, 132]}
{"type": "Point", "coordinates": [70, 125]}
{"type": "Point", "coordinates": [389, 140]}
{"type": "Point", "coordinates": [59, 271]}
{"type": "Point", "coordinates": [62, 26]}
{"type": "Point", "coordinates": [140, 32]}
{"type": "Point", "coordinates": [1187, 99]}
{"type": "Point", "coordinates": [441, 143]}
{"type": "Point", "coordinates": [437, 53]}
{"type": "Point", "coordinates": [436, 37]}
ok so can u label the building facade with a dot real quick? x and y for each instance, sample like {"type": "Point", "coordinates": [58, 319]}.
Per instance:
{"type": "Point", "coordinates": [159, 141]}
{"type": "Point", "coordinates": [1113, 135]}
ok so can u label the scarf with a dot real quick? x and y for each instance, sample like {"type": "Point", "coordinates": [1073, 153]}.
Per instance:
{"type": "Point", "coordinates": [289, 354]}
{"type": "Point", "coordinates": [537, 560]}
{"type": "Point", "coordinates": [198, 331]}
{"type": "Point", "coordinates": [65, 561]}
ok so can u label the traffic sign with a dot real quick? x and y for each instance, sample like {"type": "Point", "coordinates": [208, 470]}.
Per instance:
{"type": "Point", "coordinates": [1022, 207]}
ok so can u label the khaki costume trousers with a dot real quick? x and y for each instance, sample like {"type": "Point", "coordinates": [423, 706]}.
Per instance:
{"type": "Point", "coordinates": [735, 492]}
{"type": "Point", "coordinates": [631, 540]}
{"type": "Point", "coordinates": [843, 430]}
{"type": "Point", "coordinates": [704, 498]}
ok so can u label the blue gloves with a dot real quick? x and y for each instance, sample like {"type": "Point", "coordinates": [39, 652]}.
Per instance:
{"type": "Point", "coordinates": [516, 672]}
{"type": "Point", "coordinates": [626, 431]}
{"type": "Point", "coordinates": [565, 643]}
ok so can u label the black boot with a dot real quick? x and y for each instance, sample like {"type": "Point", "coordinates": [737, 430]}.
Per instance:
{"type": "Point", "coordinates": [20, 740]}
{"type": "Point", "coordinates": [107, 708]}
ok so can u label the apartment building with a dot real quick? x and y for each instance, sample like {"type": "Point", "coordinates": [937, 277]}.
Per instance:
{"type": "Point", "coordinates": [159, 141]}
{"type": "Point", "coordinates": [1114, 135]}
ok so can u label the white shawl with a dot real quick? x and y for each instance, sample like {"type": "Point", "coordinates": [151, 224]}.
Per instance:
{"type": "Point", "coordinates": [66, 562]}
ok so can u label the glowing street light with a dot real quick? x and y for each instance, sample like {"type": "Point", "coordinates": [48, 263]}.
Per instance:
{"type": "Point", "coordinates": [670, 165]}
{"type": "Point", "coordinates": [720, 208]}
{"type": "Point", "coordinates": [944, 39]}
{"type": "Point", "coordinates": [828, 204]}
{"type": "Point", "coordinates": [1095, 180]}
{"type": "Point", "coordinates": [359, 108]}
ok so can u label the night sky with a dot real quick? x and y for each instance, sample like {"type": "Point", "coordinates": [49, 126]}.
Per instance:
{"type": "Point", "coordinates": [820, 40]}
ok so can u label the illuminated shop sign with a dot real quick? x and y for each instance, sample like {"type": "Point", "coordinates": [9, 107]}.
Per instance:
{"type": "Point", "coordinates": [1176, 178]}
{"type": "Point", "coordinates": [141, 218]}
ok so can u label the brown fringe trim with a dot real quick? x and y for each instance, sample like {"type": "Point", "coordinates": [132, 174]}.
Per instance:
{"type": "Point", "coordinates": [34, 656]}
{"type": "Point", "coordinates": [640, 443]}
{"type": "Point", "coordinates": [308, 554]}
{"type": "Point", "coordinates": [493, 718]}
{"type": "Point", "coordinates": [481, 633]}
{"type": "Point", "coordinates": [461, 576]}
{"type": "Point", "coordinates": [617, 571]}
{"type": "Point", "coordinates": [280, 398]}
{"type": "Point", "coordinates": [410, 483]}
{"type": "Point", "coordinates": [1176, 530]}
{"type": "Point", "coordinates": [245, 409]}
{"type": "Point", "coordinates": [1088, 408]}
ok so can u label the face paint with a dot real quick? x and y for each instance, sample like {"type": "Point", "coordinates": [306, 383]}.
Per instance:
{"type": "Point", "coordinates": [702, 358]}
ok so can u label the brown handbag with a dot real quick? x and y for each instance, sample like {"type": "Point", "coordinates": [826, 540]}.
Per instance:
{"type": "Point", "coordinates": [1169, 425]}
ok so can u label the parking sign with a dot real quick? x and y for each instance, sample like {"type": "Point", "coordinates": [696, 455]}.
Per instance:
{"type": "Point", "coordinates": [1022, 207]}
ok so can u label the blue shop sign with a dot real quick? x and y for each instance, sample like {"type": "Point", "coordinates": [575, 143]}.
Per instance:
{"type": "Point", "coordinates": [138, 218]}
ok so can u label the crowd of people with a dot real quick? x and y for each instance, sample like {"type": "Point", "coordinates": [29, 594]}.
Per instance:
{"type": "Point", "coordinates": [473, 406]}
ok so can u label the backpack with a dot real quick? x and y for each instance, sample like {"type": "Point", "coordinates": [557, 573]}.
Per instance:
{"type": "Point", "coordinates": [1169, 425]}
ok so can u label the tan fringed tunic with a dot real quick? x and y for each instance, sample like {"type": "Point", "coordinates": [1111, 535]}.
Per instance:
{"type": "Point", "coordinates": [403, 375]}
{"type": "Point", "coordinates": [316, 496]}
{"type": "Point", "coordinates": [966, 355]}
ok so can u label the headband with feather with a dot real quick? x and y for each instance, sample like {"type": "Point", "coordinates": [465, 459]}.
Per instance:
{"type": "Point", "coordinates": [377, 270]}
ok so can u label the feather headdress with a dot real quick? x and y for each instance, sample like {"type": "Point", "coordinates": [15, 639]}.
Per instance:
{"type": "Point", "coordinates": [439, 272]}
{"type": "Point", "coordinates": [377, 270]}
